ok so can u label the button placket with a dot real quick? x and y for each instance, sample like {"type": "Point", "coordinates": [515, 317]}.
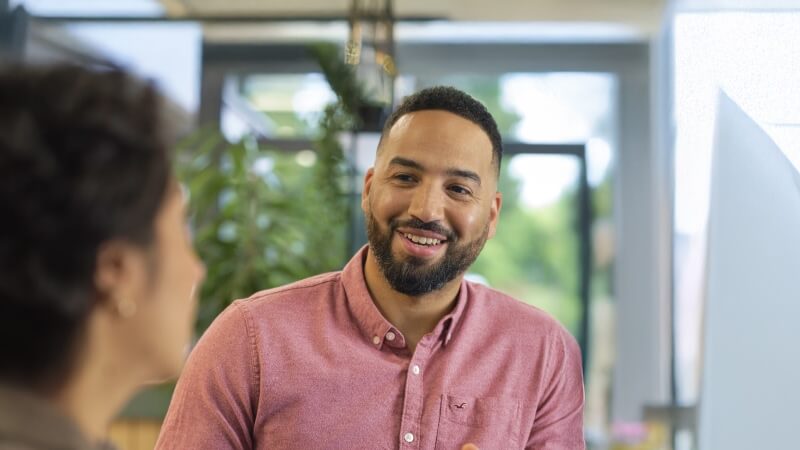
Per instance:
{"type": "Point", "coordinates": [414, 399]}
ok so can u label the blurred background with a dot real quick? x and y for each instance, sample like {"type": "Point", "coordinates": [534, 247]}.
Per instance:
{"type": "Point", "coordinates": [607, 110]}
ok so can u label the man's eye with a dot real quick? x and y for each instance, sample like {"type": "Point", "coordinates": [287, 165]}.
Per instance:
{"type": "Point", "coordinates": [460, 190]}
{"type": "Point", "coordinates": [404, 177]}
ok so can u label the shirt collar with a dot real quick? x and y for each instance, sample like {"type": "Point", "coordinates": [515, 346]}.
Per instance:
{"type": "Point", "coordinates": [448, 325]}
{"type": "Point", "coordinates": [375, 328]}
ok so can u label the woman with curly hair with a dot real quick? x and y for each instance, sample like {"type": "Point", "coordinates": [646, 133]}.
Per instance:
{"type": "Point", "coordinates": [97, 273]}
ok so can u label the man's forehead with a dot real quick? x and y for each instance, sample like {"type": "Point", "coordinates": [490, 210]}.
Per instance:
{"type": "Point", "coordinates": [424, 117]}
{"type": "Point", "coordinates": [437, 127]}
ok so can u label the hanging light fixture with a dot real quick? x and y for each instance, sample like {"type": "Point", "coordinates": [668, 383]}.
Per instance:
{"type": "Point", "coordinates": [370, 49]}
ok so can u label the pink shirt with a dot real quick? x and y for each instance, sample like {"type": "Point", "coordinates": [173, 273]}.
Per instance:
{"type": "Point", "coordinates": [314, 365]}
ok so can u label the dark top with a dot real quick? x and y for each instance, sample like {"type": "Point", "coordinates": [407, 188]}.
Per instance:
{"type": "Point", "coordinates": [29, 422]}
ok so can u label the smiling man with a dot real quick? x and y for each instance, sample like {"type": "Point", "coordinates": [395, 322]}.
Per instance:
{"type": "Point", "coordinates": [397, 351]}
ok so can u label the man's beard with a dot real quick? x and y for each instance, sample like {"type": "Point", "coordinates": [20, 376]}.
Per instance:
{"type": "Point", "coordinates": [414, 276]}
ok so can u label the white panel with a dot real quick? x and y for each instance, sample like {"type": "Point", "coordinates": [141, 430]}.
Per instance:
{"type": "Point", "coordinates": [751, 356]}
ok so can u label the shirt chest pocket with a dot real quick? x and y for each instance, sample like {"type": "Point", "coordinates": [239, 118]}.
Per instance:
{"type": "Point", "coordinates": [491, 423]}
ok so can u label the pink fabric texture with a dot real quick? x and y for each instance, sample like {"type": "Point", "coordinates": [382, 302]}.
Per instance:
{"type": "Point", "coordinates": [314, 365]}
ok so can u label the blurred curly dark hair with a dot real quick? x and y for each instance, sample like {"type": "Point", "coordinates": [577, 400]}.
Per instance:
{"type": "Point", "coordinates": [83, 159]}
{"type": "Point", "coordinates": [452, 100]}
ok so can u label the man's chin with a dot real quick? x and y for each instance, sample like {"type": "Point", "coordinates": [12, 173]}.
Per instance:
{"type": "Point", "coordinates": [415, 261]}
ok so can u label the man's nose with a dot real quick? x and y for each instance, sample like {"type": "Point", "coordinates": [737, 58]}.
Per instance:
{"type": "Point", "coordinates": [427, 203]}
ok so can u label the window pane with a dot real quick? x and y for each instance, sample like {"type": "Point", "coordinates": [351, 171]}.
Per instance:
{"type": "Point", "coordinates": [550, 108]}
{"type": "Point", "coordinates": [534, 255]}
{"type": "Point", "coordinates": [290, 104]}
{"type": "Point", "coordinates": [169, 53]}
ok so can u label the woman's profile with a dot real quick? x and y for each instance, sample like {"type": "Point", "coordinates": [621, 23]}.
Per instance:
{"type": "Point", "coordinates": [97, 272]}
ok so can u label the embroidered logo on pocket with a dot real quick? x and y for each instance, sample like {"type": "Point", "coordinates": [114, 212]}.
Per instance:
{"type": "Point", "coordinates": [489, 422]}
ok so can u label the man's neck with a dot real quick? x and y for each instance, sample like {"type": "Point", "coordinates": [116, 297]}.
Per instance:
{"type": "Point", "coordinates": [413, 316]}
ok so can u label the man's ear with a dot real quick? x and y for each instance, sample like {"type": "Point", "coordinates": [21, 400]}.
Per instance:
{"type": "Point", "coordinates": [494, 213]}
{"type": "Point", "coordinates": [367, 186]}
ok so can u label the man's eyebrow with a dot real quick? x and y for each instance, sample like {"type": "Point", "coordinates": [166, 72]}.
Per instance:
{"type": "Point", "coordinates": [461, 173]}
{"type": "Point", "coordinates": [453, 172]}
{"type": "Point", "coordinates": [398, 161]}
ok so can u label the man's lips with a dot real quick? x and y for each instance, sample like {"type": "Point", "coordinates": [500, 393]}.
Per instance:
{"type": "Point", "coordinates": [421, 246]}
{"type": "Point", "coordinates": [422, 233]}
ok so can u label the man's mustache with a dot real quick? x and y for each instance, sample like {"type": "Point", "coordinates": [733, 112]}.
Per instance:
{"type": "Point", "coordinates": [434, 227]}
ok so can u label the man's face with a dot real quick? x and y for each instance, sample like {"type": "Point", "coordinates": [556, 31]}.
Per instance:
{"type": "Point", "coordinates": [431, 200]}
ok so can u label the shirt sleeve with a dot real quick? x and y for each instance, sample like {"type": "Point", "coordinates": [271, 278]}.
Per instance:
{"type": "Point", "coordinates": [215, 400]}
{"type": "Point", "coordinates": [558, 424]}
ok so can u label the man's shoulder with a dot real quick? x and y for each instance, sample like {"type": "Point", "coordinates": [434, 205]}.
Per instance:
{"type": "Point", "coordinates": [513, 314]}
{"type": "Point", "coordinates": [315, 288]}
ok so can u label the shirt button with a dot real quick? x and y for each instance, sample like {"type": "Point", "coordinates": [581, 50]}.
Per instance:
{"type": "Point", "coordinates": [415, 369]}
{"type": "Point", "coordinates": [376, 340]}
{"type": "Point", "coordinates": [390, 336]}
{"type": "Point", "coordinates": [409, 437]}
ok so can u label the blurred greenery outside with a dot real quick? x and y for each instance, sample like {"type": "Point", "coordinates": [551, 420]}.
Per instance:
{"type": "Point", "coordinates": [262, 219]}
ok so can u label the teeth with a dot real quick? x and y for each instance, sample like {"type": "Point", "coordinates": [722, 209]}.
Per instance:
{"type": "Point", "coordinates": [422, 240]}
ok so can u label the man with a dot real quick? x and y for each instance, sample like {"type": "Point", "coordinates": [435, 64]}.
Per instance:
{"type": "Point", "coordinates": [397, 350]}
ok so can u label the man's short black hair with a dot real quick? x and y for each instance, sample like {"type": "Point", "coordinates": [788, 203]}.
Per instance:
{"type": "Point", "coordinates": [84, 159]}
{"type": "Point", "coordinates": [452, 100]}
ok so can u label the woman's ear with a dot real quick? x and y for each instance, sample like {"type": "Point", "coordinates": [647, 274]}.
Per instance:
{"type": "Point", "coordinates": [119, 273]}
